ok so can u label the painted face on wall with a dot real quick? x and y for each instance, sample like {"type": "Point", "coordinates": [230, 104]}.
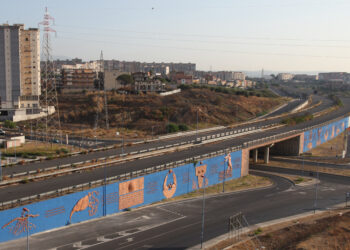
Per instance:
{"type": "Point", "coordinates": [200, 172]}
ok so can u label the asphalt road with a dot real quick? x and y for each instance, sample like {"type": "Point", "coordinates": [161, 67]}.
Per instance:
{"type": "Point", "coordinates": [177, 225]}
{"type": "Point", "coordinates": [32, 188]}
{"type": "Point", "coordinates": [127, 149]}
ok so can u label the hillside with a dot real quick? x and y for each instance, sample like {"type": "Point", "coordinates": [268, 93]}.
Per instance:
{"type": "Point", "coordinates": [144, 111]}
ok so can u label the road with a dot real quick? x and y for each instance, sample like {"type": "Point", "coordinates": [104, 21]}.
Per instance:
{"type": "Point", "coordinates": [177, 225]}
{"type": "Point", "coordinates": [32, 188]}
{"type": "Point", "coordinates": [70, 160]}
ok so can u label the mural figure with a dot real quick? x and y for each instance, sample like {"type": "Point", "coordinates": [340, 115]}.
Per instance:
{"type": "Point", "coordinates": [319, 132]}
{"type": "Point", "coordinates": [200, 172]}
{"type": "Point", "coordinates": [21, 223]}
{"type": "Point", "coordinates": [169, 189]}
{"type": "Point", "coordinates": [332, 132]}
{"type": "Point", "coordinates": [88, 201]}
{"type": "Point", "coordinates": [229, 163]}
{"type": "Point", "coordinates": [326, 134]}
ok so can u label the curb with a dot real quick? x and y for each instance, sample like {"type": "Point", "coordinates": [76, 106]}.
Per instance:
{"type": "Point", "coordinates": [211, 243]}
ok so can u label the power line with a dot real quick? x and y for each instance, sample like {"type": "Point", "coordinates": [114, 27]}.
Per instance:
{"type": "Point", "coordinates": [208, 50]}
{"type": "Point", "coordinates": [215, 42]}
{"type": "Point", "coordinates": [204, 35]}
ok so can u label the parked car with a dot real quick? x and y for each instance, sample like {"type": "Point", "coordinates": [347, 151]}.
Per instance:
{"type": "Point", "coordinates": [2, 132]}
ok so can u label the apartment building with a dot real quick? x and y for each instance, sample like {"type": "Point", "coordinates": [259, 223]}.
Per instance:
{"type": "Point", "coordinates": [20, 85]}
{"type": "Point", "coordinates": [19, 67]}
{"type": "Point", "coordinates": [157, 68]}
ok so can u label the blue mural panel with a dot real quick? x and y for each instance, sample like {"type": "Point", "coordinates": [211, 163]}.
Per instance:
{"type": "Point", "coordinates": [317, 136]}
{"type": "Point", "coordinates": [116, 197]}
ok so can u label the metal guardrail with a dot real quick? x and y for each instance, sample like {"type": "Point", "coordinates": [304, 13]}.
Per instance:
{"type": "Point", "coordinates": [204, 138]}
{"type": "Point", "coordinates": [127, 176]}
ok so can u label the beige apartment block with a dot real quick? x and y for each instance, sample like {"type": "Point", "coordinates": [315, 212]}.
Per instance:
{"type": "Point", "coordinates": [20, 85]}
{"type": "Point", "coordinates": [19, 67]}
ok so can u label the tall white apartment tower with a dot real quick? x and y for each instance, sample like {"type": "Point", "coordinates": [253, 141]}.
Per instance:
{"type": "Point", "coordinates": [19, 69]}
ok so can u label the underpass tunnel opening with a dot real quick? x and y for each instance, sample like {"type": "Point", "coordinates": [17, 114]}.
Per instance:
{"type": "Point", "coordinates": [289, 147]}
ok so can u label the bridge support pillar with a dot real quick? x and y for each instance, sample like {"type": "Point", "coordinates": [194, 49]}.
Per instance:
{"type": "Point", "coordinates": [255, 155]}
{"type": "Point", "coordinates": [266, 155]}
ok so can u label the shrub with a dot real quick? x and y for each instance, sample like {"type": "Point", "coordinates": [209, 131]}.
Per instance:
{"type": "Point", "coordinates": [171, 128]}
{"type": "Point", "coordinates": [64, 150]}
{"type": "Point", "coordinates": [183, 127]}
{"type": "Point", "coordinates": [258, 231]}
{"type": "Point", "coordinates": [9, 124]}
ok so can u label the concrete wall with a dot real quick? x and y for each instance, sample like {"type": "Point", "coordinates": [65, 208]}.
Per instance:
{"type": "Point", "coordinates": [116, 197]}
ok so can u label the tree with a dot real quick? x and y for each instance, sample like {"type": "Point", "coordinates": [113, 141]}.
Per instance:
{"type": "Point", "coordinates": [125, 79]}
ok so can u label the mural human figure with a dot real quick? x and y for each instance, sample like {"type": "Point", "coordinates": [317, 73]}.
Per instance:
{"type": "Point", "coordinates": [229, 163]}
{"type": "Point", "coordinates": [169, 189]}
{"type": "Point", "coordinates": [21, 223]}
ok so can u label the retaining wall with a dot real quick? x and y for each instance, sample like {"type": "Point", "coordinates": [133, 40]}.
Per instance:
{"type": "Point", "coordinates": [119, 196]}
{"type": "Point", "coordinates": [317, 136]}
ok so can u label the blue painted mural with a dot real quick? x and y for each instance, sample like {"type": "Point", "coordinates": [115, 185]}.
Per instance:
{"type": "Point", "coordinates": [116, 197]}
{"type": "Point", "coordinates": [317, 136]}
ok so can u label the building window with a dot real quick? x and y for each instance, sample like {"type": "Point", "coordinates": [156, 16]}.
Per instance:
{"type": "Point", "coordinates": [27, 39]}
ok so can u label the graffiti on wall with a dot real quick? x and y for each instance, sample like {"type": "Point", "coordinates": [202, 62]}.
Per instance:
{"type": "Point", "coordinates": [131, 193]}
{"type": "Point", "coordinates": [21, 224]}
{"type": "Point", "coordinates": [317, 136]}
{"type": "Point", "coordinates": [88, 201]}
{"type": "Point", "coordinates": [169, 189]}
{"type": "Point", "coordinates": [54, 211]}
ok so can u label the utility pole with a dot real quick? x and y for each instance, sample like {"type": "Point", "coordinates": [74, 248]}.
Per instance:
{"type": "Point", "coordinates": [203, 211]}
{"type": "Point", "coordinates": [49, 99]}
{"type": "Point", "coordinates": [0, 168]}
{"type": "Point", "coordinates": [197, 126]}
{"type": "Point", "coordinates": [223, 183]}
{"type": "Point", "coordinates": [104, 89]}
{"type": "Point", "coordinates": [316, 190]}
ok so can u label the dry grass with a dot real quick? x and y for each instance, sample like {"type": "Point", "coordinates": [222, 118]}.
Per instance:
{"type": "Point", "coordinates": [329, 230]}
{"type": "Point", "coordinates": [332, 148]}
{"type": "Point", "coordinates": [37, 149]}
{"type": "Point", "coordinates": [139, 113]}
{"type": "Point", "coordinates": [243, 183]}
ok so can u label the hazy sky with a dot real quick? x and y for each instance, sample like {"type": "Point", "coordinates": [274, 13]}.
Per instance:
{"type": "Point", "coordinates": [282, 35]}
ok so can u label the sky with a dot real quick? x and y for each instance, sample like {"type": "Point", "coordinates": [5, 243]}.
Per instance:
{"type": "Point", "coordinates": [277, 35]}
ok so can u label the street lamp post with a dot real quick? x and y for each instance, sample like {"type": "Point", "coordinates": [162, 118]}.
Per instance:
{"type": "Point", "coordinates": [0, 168]}
{"type": "Point", "coordinates": [28, 233]}
{"type": "Point", "coordinates": [197, 126]}
{"type": "Point", "coordinates": [203, 209]}
{"type": "Point", "coordinates": [316, 191]}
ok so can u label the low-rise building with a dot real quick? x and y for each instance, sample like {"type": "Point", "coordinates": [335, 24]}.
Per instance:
{"type": "Point", "coordinates": [144, 83]}
{"type": "Point", "coordinates": [342, 77]}
{"type": "Point", "coordinates": [110, 79]}
{"type": "Point", "coordinates": [305, 77]}
{"type": "Point", "coordinates": [285, 76]}
{"type": "Point", "coordinates": [78, 79]}
{"type": "Point", "coordinates": [181, 78]}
